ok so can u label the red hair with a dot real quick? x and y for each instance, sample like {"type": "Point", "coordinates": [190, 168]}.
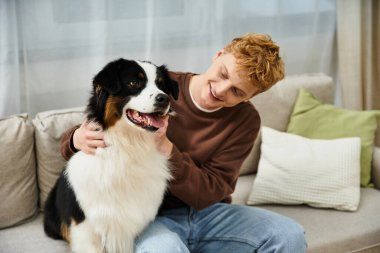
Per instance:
{"type": "Point", "coordinates": [258, 57]}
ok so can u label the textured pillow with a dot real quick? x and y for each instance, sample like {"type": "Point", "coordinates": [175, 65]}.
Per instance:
{"type": "Point", "coordinates": [297, 170]}
{"type": "Point", "coordinates": [49, 127]}
{"type": "Point", "coordinates": [313, 119]}
{"type": "Point", "coordinates": [18, 184]}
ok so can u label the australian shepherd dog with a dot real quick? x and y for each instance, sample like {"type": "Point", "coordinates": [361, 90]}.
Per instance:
{"type": "Point", "coordinates": [101, 202]}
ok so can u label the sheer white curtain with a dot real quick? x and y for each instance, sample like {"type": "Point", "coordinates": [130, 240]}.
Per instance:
{"type": "Point", "coordinates": [51, 49]}
{"type": "Point", "coordinates": [10, 81]}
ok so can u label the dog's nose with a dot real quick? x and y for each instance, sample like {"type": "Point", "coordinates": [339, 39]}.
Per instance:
{"type": "Point", "coordinates": [162, 100]}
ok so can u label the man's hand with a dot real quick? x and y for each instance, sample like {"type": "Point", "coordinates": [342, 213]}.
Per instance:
{"type": "Point", "coordinates": [162, 141]}
{"type": "Point", "coordinates": [88, 137]}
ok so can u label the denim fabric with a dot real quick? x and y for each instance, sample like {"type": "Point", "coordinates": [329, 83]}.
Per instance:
{"type": "Point", "coordinates": [221, 228]}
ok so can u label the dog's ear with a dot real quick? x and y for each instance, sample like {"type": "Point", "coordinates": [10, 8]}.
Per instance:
{"type": "Point", "coordinates": [174, 89]}
{"type": "Point", "coordinates": [108, 78]}
{"type": "Point", "coordinates": [169, 86]}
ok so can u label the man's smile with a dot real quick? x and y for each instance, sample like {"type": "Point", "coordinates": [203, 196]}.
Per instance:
{"type": "Point", "coordinates": [213, 96]}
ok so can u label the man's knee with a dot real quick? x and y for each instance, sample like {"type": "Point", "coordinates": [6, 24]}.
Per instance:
{"type": "Point", "coordinates": [289, 236]}
{"type": "Point", "coordinates": [159, 240]}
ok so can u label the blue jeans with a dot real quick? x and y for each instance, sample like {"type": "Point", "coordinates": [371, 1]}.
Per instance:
{"type": "Point", "coordinates": [221, 228]}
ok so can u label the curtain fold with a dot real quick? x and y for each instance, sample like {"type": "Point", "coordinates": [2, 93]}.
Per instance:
{"type": "Point", "coordinates": [10, 81]}
{"type": "Point", "coordinates": [358, 30]}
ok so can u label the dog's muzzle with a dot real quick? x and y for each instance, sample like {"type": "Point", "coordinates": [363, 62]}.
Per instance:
{"type": "Point", "coordinates": [151, 121]}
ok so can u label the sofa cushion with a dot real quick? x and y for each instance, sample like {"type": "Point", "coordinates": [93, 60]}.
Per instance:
{"type": "Point", "coordinates": [18, 184]}
{"type": "Point", "coordinates": [49, 127]}
{"type": "Point", "coordinates": [275, 107]}
{"type": "Point", "coordinates": [314, 119]}
{"type": "Point", "coordinates": [298, 170]}
{"type": "Point", "coordinates": [327, 230]}
{"type": "Point", "coordinates": [30, 237]}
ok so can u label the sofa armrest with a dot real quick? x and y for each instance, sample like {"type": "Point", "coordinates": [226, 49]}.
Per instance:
{"type": "Point", "coordinates": [376, 167]}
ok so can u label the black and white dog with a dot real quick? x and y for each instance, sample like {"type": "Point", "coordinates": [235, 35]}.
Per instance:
{"type": "Point", "coordinates": [102, 202]}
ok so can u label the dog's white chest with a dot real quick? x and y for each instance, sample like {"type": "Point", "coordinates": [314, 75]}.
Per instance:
{"type": "Point", "coordinates": [119, 189]}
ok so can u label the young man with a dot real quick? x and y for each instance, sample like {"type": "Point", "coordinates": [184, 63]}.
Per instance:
{"type": "Point", "coordinates": [207, 142]}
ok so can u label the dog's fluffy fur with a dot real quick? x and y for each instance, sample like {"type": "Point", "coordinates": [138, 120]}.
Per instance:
{"type": "Point", "coordinates": [101, 202]}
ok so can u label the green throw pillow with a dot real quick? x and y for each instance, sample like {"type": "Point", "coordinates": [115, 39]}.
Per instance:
{"type": "Point", "coordinates": [313, 119]}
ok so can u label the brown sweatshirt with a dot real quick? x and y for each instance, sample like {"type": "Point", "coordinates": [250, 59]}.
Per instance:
{"type": "Point", "coordinates": [208, 149]}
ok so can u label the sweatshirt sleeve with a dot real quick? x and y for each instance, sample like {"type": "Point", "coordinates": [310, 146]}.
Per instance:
{"type": "Point", "coordinates": [67, 147]}
{"type": "Point", "coordinates": [215, 180]}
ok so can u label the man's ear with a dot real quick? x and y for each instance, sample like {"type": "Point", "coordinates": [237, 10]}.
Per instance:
{"type": "Point", "coordinates": [108, 78]}
{"type": "Point", "coordinates": [219, 53]}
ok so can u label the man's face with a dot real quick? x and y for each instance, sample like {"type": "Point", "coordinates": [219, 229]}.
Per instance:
{"type": "Point", "coordinates": [223, 86]}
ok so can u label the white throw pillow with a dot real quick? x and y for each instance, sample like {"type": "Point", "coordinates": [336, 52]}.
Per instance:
{"type": "Point", "coordinates": [297, 170]}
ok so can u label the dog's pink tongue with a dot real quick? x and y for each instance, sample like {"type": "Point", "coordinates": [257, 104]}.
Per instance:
{"type": "Point", "coordinates": [157, 121]}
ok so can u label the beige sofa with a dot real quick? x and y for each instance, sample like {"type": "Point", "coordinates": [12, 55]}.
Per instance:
{"type": "Point", "coordinates": [30, 163]}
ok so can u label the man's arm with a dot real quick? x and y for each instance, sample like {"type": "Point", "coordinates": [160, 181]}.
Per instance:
{"type": "Point", "coordinates": [205, 184]}
{"type": "Point", "coordinates": [67, 147]}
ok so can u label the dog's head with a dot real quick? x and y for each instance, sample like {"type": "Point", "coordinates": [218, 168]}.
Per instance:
{"type": "Point", "coordinates": [134, 91]}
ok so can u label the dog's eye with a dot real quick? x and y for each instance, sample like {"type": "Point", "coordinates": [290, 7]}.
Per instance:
{"type": "Point", "coordinates": [134, 84]}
